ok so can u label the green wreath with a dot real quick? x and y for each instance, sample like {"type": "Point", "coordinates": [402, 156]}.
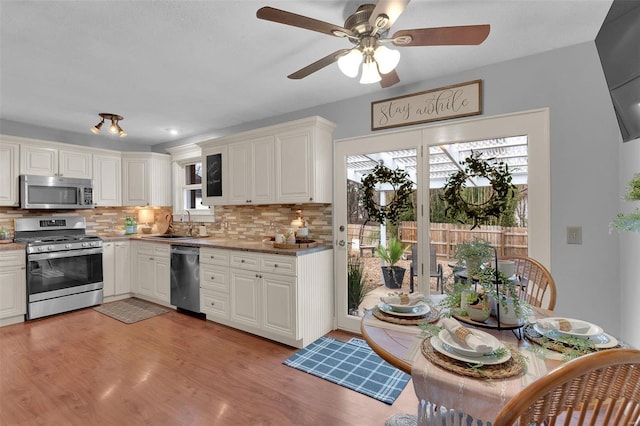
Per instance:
{"type": "Point", "coordinates": [402, 188]}
{"type": "Point", "coordinates": [473, 167]}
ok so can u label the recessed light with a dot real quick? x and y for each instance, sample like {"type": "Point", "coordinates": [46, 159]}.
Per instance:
{"type": "Point", "coordinates": [173, 132]}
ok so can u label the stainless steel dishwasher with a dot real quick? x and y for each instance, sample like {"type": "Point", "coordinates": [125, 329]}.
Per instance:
{"type": "Point", "coordinates": [185, 277]}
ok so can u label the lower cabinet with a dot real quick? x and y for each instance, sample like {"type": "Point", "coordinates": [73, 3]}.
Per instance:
{"type": "Point", "coordinates": [13, 287]}
{"type": "Point", "coordinates": [152, 277]}
{"type": "Point", "coordinates": [288, 299]}
{"type": "Point", "coordinates": [116, 268]}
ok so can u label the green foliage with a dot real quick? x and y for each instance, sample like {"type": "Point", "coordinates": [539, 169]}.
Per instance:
{"type": "Point", "coordinates": [630, 221]}
{"type": "Point", "coordinates": [393, 252]}
{"type": "Point", "coordinates": [400, 201]}
{"type": "Point", "coordinates": [474, 253]}
{"type": "Point", "coordinates": [357, 282]}
{"type": "Point", "coordinates": [478, 212]}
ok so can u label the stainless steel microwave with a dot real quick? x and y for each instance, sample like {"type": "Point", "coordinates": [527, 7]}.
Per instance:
{"type": "Point", "coordinates": [53, 192]}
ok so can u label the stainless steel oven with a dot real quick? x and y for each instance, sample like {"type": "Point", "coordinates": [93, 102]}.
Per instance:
{"type": "Point", "coordinates": [64, 265]}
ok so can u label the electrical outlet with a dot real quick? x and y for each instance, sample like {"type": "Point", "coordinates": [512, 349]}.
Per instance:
{"type": "Point", "coordinates": [574, 234]}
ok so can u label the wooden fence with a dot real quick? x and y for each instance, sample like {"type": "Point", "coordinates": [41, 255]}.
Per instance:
{"type": "Point", "coordinates": [445, 237]}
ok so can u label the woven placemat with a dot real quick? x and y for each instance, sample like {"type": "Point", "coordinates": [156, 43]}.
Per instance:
{"type": "Point", "coordinates": [510, 368]}
{"type": "Point", "coordinates": [431, 317]}
{"type": "Point", "coordinates": [531, 334]}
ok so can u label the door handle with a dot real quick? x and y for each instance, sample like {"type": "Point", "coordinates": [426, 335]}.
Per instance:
{"type": "Point", "coordinates": [341, 243]}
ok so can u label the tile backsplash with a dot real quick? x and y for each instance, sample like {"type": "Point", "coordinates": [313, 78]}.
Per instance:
{"type": "Point", "coordinates": [241, 222]}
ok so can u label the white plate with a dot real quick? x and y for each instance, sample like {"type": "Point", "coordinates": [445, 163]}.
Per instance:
{"type": "Point", "coordinates": [579, 328]}
{"type": "Point", "coordinates": [447, 350]}
{"type": "Point", "coordinates": [402, 308]}
{"type": "Point", "coordinates": [418, 310]}
{"type": "Point", "coordinates": [464, 349]}
{"type": "Point", "coordinates": [601, 341]}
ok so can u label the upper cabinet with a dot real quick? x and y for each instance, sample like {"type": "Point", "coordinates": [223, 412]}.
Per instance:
{"type": "Point", "coordinates": [281, 164]}
{"type": "Point", "coordinates": [147, 179]}
{"type": "Point", "coordinates": [107, 179]}
{"type": "Point", "coordinates": [9, 172]}
{"type": "Point", "coordinates": [251, 171]}
{"type": "Point", "coordinates": [48, 161]}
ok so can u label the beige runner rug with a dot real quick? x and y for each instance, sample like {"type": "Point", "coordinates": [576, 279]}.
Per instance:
{"type": "Point", "coordinates": [132, 310]}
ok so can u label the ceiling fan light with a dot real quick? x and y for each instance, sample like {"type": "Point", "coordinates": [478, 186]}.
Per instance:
{"type": "Point", "coordinates": [370, 73]}
{"type": "Point", "coordinates": [350, 63]}
{"type": "Point", "coordinates": [386, 58]}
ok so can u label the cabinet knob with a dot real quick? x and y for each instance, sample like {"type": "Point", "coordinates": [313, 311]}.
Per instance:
{"type": "Point", "coordinates": [213, 278]}
{"type": "Point", "coordinates": [310, 198]}
{"type": "Point", "coordinates": [213, 304]}
{"type": "Point", "coordinates": [275, 265]}
{"type": "Point", "coordinates": [241, 260]}
{"type": "Point", "coordinates": [151, 258]}
{"type": "Point", "coordinates": [212, 257]}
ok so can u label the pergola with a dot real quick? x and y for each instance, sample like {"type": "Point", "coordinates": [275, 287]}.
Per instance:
{"type": "Point", "coordinates": [445, 160]}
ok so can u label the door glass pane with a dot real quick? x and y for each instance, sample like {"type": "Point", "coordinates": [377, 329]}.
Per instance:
{"type": "Point", "coordinates": [365, 279]}
{"type": "Point", "coordinates": [508, 233]}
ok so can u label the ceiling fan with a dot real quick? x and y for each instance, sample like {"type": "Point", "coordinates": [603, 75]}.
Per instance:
{"type": "Point", "coordinates": [368, 28]}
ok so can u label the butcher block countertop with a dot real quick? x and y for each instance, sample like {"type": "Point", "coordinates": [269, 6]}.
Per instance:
{"type": "Point", "coordinates": [223, 243]}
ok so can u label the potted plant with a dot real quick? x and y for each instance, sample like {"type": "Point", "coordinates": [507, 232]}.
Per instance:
{"type": "Point", "coordinates": [357, 283]}
{"type": "Point", "coordinates": [393, 275]}
{"type": "Point", "coordinates": [505, 293]}
{"type": "Point", "coordinates": [478, 306]}
{"type": "Point", "coordinates": [473, 253]}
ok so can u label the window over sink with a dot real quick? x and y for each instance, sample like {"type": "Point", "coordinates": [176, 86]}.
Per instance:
{"type": "Point", "coordinates": [187, 184]}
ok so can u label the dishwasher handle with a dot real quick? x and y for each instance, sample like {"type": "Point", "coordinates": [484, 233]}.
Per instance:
{"type": "Point", "coordinates": [185, 250]}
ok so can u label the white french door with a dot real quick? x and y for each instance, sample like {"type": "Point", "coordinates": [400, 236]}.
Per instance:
{"type": "Point", "coordinates": [532, 124]}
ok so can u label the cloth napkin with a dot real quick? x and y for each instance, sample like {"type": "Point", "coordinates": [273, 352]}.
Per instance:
{"type": "Point", "coordinates": [463, 335]}
{"type": "Point", "coordinates": [554, 324]}
{"type": "Point", "coordinates": [403, 299]}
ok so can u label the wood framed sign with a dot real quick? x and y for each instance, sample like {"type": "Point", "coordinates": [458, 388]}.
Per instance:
{"type": "Point", "coordinates": [443, 103]}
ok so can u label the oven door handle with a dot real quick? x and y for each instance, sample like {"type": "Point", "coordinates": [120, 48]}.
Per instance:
{"type": "Point", "coordinates": [63, 254]}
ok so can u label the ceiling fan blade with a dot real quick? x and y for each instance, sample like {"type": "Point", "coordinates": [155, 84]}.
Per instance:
{"type": "Point", "coordinates": [318, 65]}
{"type": "Point", "coordinates": [389, 79]}
{"type": "Point", "coordinates": [441, 36]}
{"type": "Point", "coordinates": [295, 20]}
{"type": "Point", "coordinates": [391, 8]}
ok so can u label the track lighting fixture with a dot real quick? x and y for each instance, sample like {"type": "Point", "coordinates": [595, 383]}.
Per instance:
{"type": "Point", "coordinates": [114, 128]}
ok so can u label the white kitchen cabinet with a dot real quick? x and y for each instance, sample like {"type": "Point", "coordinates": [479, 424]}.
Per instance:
{"type": "Point", "coordinates": [107, 179]}
{"type": "Point", "coordinates": [153, 275]}
{"type": "Point", "coordinates": [123, 268]}
{"type": "Point", "coordinates": [251, 172]}
{"type": "Point", "coordinates": [115, 268]}
{"type": "Point", "coordinates": [304, 155]}
{"type": "Point", "coordinates": [108, 269]}
{"type": "Point", "coordinates": [288, 299]}
{"type": "Point", "coordinates": [278, 310]}
{"type": "Point", "coordinates": [45, 160]}
{"type": "Point", "coordinates": [9, 173]}
{"type": "Point", "coordinates": [214, 283]}
{"type": "Point", "coordinates": [288, 163]}
{"type": "Point", "coordinates": [146, 179]}
{"type": "Point", "coordinates": [13, 287]}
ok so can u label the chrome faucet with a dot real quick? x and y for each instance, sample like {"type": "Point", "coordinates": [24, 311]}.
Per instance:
{"type": "Point", "coordinates": [189, 223]}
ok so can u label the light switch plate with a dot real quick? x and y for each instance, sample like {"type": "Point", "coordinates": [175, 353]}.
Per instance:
{"type": "Point", "coordinates": [574, 234]}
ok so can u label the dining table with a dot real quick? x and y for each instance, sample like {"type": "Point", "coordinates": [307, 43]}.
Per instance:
{"type": "Point", "coordinates": [452, 391]}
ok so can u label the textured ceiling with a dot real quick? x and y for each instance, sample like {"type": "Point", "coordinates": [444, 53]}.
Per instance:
{"type": "Point", "coordinates": [202, 66]}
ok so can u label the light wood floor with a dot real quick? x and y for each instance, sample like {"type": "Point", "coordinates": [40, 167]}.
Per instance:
{"type": "Point", "coordinates": [84, 368]}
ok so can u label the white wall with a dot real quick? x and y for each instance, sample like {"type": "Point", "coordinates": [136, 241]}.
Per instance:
{"type": "Point", "coordinates": [629, 250]}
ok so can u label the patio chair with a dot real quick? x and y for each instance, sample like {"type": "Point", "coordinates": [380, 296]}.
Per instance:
{"type": "Point", "coordinates": [600, 388]}
{"type": "Point", "coordinates": [435, 269]}
{"type": "Point", "coordinates": [536, 282]}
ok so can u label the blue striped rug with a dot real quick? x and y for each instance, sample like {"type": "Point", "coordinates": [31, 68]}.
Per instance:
{"type": "Point", "coordinates": [353, 365]}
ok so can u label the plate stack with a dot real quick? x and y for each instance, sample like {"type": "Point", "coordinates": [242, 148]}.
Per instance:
{"type": "Point", "coordinates": [559, 329]}
{"type": "Point", "coordinates": [405, 309]}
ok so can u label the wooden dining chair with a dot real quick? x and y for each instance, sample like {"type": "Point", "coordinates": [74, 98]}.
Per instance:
{"type": "Point", "coordinates": [537, 280]}
{"type": "Point", "coordinates": [602, 388]}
